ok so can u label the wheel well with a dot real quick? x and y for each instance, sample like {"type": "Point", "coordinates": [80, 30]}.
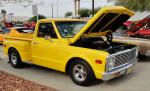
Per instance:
{"type": "Point", "coordinates": [11, 48]}
{"type": "Point", "coordinates": [71, 61]}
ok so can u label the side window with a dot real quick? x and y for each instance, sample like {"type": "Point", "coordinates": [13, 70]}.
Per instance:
{"type": "Point", "coordinates": [46, 29]}
{"type": "Point", "coordinates": [6, 31]}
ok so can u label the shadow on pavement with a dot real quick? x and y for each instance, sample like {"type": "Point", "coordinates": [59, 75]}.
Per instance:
{"type": "Point", "coordinates": [47, 70]}
{"type": "Point", "coordinates": [117, 80]}
{"type": "Point", "coordinates": [114, 81]}
{"type": "Point", "coordinates": [144, 58]}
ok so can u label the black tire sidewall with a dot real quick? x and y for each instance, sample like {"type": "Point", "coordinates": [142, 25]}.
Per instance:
{"type": "Point", "coordinates": [19, 62]}
{"type": "Point", "coordinates": [90, 74]}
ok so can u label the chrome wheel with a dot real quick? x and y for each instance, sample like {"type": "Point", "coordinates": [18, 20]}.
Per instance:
{"type": "Point", "coordinates": [13, 58]}
{"type": "Point", "coordinates": [79, 72]}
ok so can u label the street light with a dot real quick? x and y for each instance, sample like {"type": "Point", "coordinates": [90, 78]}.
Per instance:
{"type": "Point", "coordinates": [52, 10]}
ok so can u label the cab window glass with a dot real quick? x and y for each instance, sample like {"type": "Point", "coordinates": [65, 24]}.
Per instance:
{"type": "Point", "coordinates": [46, 29]}
{"type": "Point", "coordinates": [6, 31]}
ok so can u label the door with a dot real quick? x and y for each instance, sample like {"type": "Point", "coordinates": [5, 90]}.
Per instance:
{"type": "Point", "coordinates": [45, 46]}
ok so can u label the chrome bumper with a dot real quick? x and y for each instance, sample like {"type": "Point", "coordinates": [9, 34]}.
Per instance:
{"type": "Point", "coordinates": [118, 71]}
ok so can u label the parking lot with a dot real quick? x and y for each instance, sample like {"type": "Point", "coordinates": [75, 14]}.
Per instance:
{"type": "Point", "coordinates": [138, 80]}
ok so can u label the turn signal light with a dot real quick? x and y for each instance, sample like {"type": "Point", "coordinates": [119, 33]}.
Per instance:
{"type": "Point", "coordinates": [98, 61]}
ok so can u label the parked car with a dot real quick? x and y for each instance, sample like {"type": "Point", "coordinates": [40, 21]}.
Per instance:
{"type": "Point", "coordinates": [135, 33]}
{"type": "Point", "coordinates": [140, 29]}
{"type": "Point", "coordinates": [14, 31]}
{"type": "Point", "coordinates": [77, 47]}
{"type": "Point", "coordinates": [144, 44]}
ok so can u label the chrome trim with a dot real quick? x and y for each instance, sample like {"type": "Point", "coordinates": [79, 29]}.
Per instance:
{"type": "Point", "coordinates": [110, 75]}
{"type": "Point", "coordinates": [123, 51]}
{"type": "Point", "coordinates": [113, 55]}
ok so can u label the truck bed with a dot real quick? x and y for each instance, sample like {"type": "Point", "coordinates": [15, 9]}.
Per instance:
{"type": "Point", "coordinates": [25, 37]}
{"type": "Point", "coordinates": [21, 43]}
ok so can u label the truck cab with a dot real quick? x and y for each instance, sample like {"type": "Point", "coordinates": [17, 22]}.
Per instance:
{"type": "Point", "coordinates": [82, 49]}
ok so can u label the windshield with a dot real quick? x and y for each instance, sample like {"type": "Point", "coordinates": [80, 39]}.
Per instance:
{"type": "Point", "coordinates": [69, 29]}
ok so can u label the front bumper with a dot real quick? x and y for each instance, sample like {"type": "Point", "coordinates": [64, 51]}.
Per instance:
{"type": "Point", "coordinates": [119, 71]}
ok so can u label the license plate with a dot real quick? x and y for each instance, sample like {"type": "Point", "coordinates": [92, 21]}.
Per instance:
{"type": "Point", "coordinates": [129, 70]}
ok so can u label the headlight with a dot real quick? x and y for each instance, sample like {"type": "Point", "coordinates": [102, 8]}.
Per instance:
{"type": "Point", "coordinates": [111, 63]}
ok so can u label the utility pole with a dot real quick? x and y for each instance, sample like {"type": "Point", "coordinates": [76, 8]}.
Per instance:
{"type": "Point", "coordinates": [35, 11]}
{"type": "Point", "coordinates": [78, 7]}
{"type": "Point", "coordinates": [93, 8]}
{"type": "Point", "coordinates": [52, 11]}
{"type": "Point", "coordinates": [75, 8]}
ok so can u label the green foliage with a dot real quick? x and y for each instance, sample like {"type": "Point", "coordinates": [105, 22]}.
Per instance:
{"type": "Point", "coordinates": [84, 12]}
{"type": "Point", "coordinates": [136, 5]}
{"type": "Point", "coordinates": [3, 12]}
{"type": "Point", "coordinates": [68, 14]}
{"type": "Point", "coordinates": [95, 10]}
{"type": "Point", "coordinates": [34, 19]}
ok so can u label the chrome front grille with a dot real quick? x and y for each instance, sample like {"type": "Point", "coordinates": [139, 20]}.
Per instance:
{"type": "Point", "coordinates": [125, 57]}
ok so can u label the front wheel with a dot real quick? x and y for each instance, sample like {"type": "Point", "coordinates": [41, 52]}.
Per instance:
{"type": "Point", "coordinates": [14, 59]}
{"type": "Point", "coordinates": [81, 73]}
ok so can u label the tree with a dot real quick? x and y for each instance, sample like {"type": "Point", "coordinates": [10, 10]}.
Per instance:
{"type": "Point", "coordinates": [3, 12]}
{"type": "Point", "coordinates": [84, 12]}
{"type": "Point", "coordinates": [68, 14]}
{"type": "Point", "coordinates": [136, 5]}
{"type": "Point", "coordinates": [95, 10]}
{"type": "Point", "coordinates": [34, 18]}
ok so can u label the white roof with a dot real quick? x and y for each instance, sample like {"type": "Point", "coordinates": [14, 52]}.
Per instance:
{"type": "Point", "coordinates": [139, 16]}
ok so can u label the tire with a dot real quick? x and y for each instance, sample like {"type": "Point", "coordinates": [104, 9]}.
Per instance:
{"type": "Point", "coordinates": [14, 59]}
{"type": "Point", "coordinates": [81, 73]}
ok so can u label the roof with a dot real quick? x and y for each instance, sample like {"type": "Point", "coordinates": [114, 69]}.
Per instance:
{"type": "Point", "coordinates": [60, 19]}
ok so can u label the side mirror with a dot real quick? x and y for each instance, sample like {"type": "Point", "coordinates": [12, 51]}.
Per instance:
{"type": "Point", "coordinates": [48, 37]}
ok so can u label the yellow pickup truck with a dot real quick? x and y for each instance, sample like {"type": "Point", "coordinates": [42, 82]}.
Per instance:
{"type": "Point", "coordinates": [82, 49]}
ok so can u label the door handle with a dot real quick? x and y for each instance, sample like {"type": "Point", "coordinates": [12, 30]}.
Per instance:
{"type": "Point", "coordinates": [35, 43]}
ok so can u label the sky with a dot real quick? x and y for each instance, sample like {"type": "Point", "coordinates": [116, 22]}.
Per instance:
{"type": "Point", "coordinates": [45, 7]}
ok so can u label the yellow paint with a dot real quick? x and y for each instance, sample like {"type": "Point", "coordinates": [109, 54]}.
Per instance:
{"type": "Point", "coordinates": [56, 53]}
{"type": "Point", "coordinates": [104, 10]}
{"type": "Point", "coordinates": [13, 32]}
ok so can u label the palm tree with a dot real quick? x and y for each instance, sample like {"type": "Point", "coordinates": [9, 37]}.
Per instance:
{"type": "Point", "coordinates": [136, 5]}
{"type": "Point", "coordinates": [3, 12]}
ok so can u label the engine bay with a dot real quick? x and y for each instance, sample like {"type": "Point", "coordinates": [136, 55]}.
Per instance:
{"type": "Point", "coordinates": [99, 43]}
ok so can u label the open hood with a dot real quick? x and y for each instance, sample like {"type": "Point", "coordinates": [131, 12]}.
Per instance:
{"type": "Point", "coordinates": [108, 19]}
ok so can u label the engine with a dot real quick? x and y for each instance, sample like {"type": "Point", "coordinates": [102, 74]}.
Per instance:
{"type": "Point", "coordinates": [99, 43]}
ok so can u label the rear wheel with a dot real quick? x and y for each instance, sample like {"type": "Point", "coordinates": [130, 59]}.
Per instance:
{"type": "Point", "coordinates": [81, 73]}
{"type": "Point", "coordinates": [14, 59]}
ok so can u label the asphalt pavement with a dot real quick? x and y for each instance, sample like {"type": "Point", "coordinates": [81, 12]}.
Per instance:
{"type": "Point", "coordinates": [138, 80]}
